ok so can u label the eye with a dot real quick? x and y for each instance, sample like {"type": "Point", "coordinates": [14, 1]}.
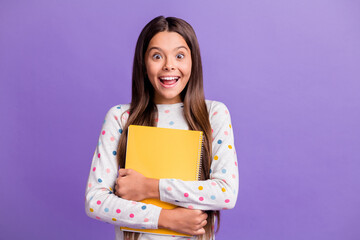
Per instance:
{"type": "Point", "coordinates": [156, 56]}
{"type": "Point", "coordinates": [180, 55]}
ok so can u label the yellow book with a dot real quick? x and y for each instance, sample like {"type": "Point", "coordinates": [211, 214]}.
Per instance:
{"type": "Point", "coordinates": [163, 153]}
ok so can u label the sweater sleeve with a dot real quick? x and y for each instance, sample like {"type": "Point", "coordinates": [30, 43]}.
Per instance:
{"type": "Point", "coordinates": [220, 191]}
{"type": "Point", "coordinates": [100, 201]}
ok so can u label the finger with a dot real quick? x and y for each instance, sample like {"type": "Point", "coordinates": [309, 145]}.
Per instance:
{"type": "Point", "coordinates": [204, 216]}
{"type": "Point", "coordinates": [203, 223]}
{"type": "Point", "coordinates": [123, 172]}
{"type": "Point", "coordinates": [200, 231]}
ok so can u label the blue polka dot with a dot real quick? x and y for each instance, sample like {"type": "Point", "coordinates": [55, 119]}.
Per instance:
{"type": "Point", "coordinates": [177, 201]}
{"type": "Point", "coordinates": [143, 207]}
{"type": "Point", "coordinates": [213, 197]}
{"type": "Point", "coordinates": [120, 130]}
{"type": "Point", "coordinates": [106, 210]}
{"type": "Point", "coordinates": [104, 121]}
{"type": "Point", "coordinates": [210, 171]}
{"type": "Point", "coordinates": [110, 192]}
{"type": "Point", "coordinates": [99, 143]}
{"type": "Point", "coordinates": [114, 152]}
{"type": "Point", "coordinates": [171, 123]}
{"type": "Point", "coordinates": [91, 198]}
{"type": "Point", "coordinates": [143, 227]}
{"type": "Point", "coordinates": [223, 170]}
{"type": "Point", "coordinates": [99, 180]}
{"type": "Point", "coordinates": [118, 107]}
{"type": "Point", "coordinates": [219, 142]}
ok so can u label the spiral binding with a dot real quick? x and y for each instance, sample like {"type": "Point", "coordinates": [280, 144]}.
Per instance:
{"type": "Point", "coordinates": [200, 153]}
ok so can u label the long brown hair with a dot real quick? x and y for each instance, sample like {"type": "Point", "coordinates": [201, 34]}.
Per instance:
{"type": "Point", "coordinates": [143, 110]}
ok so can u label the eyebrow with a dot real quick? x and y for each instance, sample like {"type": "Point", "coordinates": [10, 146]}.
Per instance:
{"type": "Point", "coordinates": [162, 50]}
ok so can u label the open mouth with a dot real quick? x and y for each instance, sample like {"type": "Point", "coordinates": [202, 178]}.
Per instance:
{"type": "Point", "coordinates": [169, 81]}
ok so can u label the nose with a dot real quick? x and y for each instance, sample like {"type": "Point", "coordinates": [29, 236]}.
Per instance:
{"type": "Point", "coordinates": [168, 65]}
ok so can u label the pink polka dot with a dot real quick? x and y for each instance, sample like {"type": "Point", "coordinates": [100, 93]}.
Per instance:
{"type": "Point", "coordinates": [186, 194]}
{"type": "Point", "coordinates": [224, 208]}
{"type": "Point", "coordinates": [190, 207]}
{"type": "Point", "coordinates": [128, 112]}
{"type": "Point", "coordinates": [212, 130]}
{"type": "Point", "coordinates": [234, 176]}
{"type": "Point", "coordinates": [235, 163]}
{"type": "Point", "coordinates": [167, 111]}
{"type": "Point", "coordinates": [98, 202]}
{"type": "Point", "coordinates": [146, 220]}
{"type": "Point", "coordinates": [108, 170]}
{"type": "Point", "coordinates": [215, 113]}
{"type": "Point", "coordinates": [227, 200]}
{"type": "Point", "coordinates": [132, 215]}
{"type": "Point", "coordinates": [94, 169]}
{"type": "Point", "coordinates": [112, 139]}
{"type": "Point", "coordinates": [224, 180]}
{"type": "Point", "coordinates": [156, 119]}
{"type": "Point", "coordinates": [226, 112]}
{"type": "Point", "coordinates": [226, 133]}
{"type": "Point", "coordinates": [169, 188]}
{"type": "Point", "coordinates": [213, 183]}
{"type": "Point", "coordinates": [201, 198]}
{"type": "Point", "coordinates": [99, 155]}
{"type": "Point", "coordinates": [118, 210]}
{"type": "Point", "coordinates": [115, 117]}
{"type": "Point", "coordinates": [133, 203]}
{"type": "Point", "coordinates": [97, 217]}
{"type": "Point", "coordinates": [89, 185]}
{"type": "Point", "coordinates": [103, 132]}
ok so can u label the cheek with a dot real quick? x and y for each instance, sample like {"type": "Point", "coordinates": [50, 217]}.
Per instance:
{"type": "Point", "coordinates": [153, 69]}
{"type": "Point", "coordinates": [186, 68]}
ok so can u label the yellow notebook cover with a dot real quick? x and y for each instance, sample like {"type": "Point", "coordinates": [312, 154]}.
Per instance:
{"type": "Point", "coordinates": [163, 153]}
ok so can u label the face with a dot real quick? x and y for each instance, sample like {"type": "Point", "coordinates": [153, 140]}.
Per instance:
{"type": "Point", "coordinates": [168, 66]}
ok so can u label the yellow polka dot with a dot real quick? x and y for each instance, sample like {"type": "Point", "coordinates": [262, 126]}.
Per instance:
{"type": "Point", "coordinates": [223, 189]}
{"type": "Point", "coordinates": [114, 219]}
{"type": "Point", "coordinates": [230, 146]}
{"type": "Point", "coordinates": [216, 158]}
{"type": "Point", "coordinates": [91, 210]}
{"type": "Point", "coordinates": [110, 188]}
{"type": "Point", "coordinates": [230, 125]}
{"type": "Point", "coordinates": [201, 188]}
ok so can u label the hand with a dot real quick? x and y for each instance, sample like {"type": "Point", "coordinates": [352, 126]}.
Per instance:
{"type": "Point", "coordinates": [132, 185]}
{"type": "Point", "coordinates": [184, 220]}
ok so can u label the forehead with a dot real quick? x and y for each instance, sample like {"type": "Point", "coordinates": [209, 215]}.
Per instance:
{"type": "Point", "coordinates": [167, 40]}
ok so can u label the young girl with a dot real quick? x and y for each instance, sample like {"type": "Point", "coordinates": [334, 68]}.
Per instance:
{"type": "Point", "coordinates": [167, 92]}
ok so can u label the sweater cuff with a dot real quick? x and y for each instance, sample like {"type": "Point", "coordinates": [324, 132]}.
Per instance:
{"type": "Point", "coordinates": [154, 218]}
{"type": "Point", "coordinates": [162, 190]}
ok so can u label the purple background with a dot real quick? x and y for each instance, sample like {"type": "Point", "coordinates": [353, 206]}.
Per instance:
{"type": "Point", "coordinates": [287, 70]}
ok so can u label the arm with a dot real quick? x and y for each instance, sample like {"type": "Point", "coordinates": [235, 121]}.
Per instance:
{"type": "Point", "coordinates": [100, 202]}
{"type": "Point", "coordinates": [219, 192]}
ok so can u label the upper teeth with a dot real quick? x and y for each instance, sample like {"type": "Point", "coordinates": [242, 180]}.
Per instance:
{"type": "Point", "coordinates": [169, 78]}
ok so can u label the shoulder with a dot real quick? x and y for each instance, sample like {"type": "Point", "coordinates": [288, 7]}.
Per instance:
{"type": "Point", "coordinates": [216, 107]}
{"type": "Point", "coordinates": [118, 113]}
{"type": "Point", "coordinates": [219, 115]}
{"type": "Point", "coordinates": [119, 108]}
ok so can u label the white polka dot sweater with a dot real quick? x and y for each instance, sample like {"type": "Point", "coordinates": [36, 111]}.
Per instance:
{"type": "Point", "coordinates": [217, 193]}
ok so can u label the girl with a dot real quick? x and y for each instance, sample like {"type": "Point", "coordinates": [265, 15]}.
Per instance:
{"type": "Point", "coordinates": [167, 92]}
